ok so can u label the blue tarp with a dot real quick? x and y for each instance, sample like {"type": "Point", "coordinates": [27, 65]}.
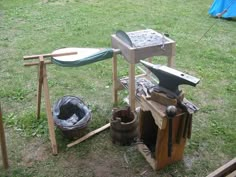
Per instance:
{"type": "Point", "coordinates": [219, 6]}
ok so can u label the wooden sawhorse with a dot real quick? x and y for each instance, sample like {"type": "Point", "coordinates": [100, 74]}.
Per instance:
{"type": "Point", "coordinates": [43, 85]}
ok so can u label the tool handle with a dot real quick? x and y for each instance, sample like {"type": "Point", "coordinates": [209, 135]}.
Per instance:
{"type": "Point", "coordinates": [170, 137]}
{"type": "Point", "coordinates": [171, 113]}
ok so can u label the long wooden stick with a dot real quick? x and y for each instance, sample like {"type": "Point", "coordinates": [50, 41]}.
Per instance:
{"type": "Point", "coordinates": [89, 135]}
{"type": "Point", "coordinates": [49, 55]}
{"type": "Point", "coordinates": [49, 112]}
{"type": "Point", "coordinates": [36, 63]}
{"type": "Point", "coordinates": [3, 142]}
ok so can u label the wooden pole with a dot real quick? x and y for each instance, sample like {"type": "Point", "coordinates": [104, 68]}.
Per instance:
{"type": "Point", "coordinates": [3, 142]}
{"type": "Point", "coordinates": [49, 112]}
{"type": "Point", "coordinates": [40, 83]}
{"type": "Point", "coordinates": [132, 86]}
{"type": "Point", "coordinates": [92, 133]}
{"type": "Point", "coordinates": [114, 78]}
{"type": "Point", "coordinates": [49, 55]}
{"type": "Point", "coordinates": [171, 56]}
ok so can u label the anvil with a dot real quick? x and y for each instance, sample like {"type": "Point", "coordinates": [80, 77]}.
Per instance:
{"type": "Point", "coordinates": [170, 79]}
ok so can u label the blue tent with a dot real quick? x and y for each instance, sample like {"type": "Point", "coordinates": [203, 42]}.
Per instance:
{"type": "Point", "coordinates": [226, 7]}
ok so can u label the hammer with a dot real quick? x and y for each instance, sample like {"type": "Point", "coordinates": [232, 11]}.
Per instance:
{"type": "Point", "coordinates": [171, 113]}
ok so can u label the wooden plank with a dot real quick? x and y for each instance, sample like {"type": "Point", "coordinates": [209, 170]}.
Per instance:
{"type": "Point", "coordinates": [225, 169]}
{"type": "Point", "coordinates": [163, 99]}
{"type": "Point", "coordinates": [157, 110]}
{"type": "Point", "coordinates": [90, 134]}
{"type": "Point", "coordinates": [49, 112]}
{"type": "Point", "coordinates": [40, 84]}
{"type": "Point", "coordinates": [162, 146]}
{"type": "Point", "coordinates": [49, 55]}
{"type": "Point", "coordinates": [3, 142]}
{"type": "Point", "coordinates": [147, 155]}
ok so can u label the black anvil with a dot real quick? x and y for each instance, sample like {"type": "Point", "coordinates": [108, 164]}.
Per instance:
{"type": "Point", "coordinates": [170, 79]}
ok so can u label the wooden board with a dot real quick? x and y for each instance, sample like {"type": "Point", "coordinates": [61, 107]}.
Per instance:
{"type": "Point", "coordinates": [158, 111]}
{"type": "Point", "coordinates": [147, 155]}
{"type": "Point", "coordinates": [224, 170]}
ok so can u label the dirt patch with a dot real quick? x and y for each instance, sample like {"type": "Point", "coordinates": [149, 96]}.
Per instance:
{"type": "Point", "coordinates": [95, 164]}
{"type": "Point", "coordinates": [34, 152]}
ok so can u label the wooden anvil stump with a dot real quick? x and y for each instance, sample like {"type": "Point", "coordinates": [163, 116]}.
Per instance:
{"type": "Point", "coordinates": [153, 132]}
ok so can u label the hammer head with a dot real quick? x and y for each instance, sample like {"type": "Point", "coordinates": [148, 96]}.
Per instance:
{"type": "Point", "coordinates": [170, 78]}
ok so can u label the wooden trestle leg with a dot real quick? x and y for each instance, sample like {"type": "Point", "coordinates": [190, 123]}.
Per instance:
{"type": "Point", "coordinates": [40, 83]}
{"type": "Point", "coordinates": [43, 85]}
{"type": "Point", "coordinates": [49, 112]}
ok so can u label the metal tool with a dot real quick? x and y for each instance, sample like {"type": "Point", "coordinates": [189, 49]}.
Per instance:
{"type": "Point", "coordinates": [171, 113]}
{"type": "Point", "coordinates": [170, 79]}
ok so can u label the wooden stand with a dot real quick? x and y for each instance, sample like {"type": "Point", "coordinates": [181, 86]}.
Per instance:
{"type": "Point", "coordinates": [133, 56]}
{"type": "Point", "coordinates": [43, 85]}
{"type": "Point", "coordinates": [153, 133]}
{"type": "Point", "coordinates": [3, 142]}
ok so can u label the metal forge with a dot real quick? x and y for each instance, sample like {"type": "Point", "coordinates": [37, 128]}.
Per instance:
{"type": "Point", "coordinates": [136, 46]}
{"type": "Point", "coordinates": [165, 117]}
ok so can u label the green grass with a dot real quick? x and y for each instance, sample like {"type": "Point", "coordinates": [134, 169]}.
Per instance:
{"type": "Point", "coordinates": [34, 27]}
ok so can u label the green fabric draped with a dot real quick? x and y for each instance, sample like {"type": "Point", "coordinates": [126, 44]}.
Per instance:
{"type": "Point", "coordinates": [99, 56]}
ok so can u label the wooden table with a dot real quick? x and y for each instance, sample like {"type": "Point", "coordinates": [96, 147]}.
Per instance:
{"type": "Point", "coordinates": [133, 56]}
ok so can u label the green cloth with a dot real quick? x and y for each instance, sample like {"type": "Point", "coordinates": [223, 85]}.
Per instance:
{"type": "Point", "coordinates": [99, 56]}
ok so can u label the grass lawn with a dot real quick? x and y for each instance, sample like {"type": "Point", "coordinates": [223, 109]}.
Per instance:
{"type": "Point", "coordinates": [40, 26]}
